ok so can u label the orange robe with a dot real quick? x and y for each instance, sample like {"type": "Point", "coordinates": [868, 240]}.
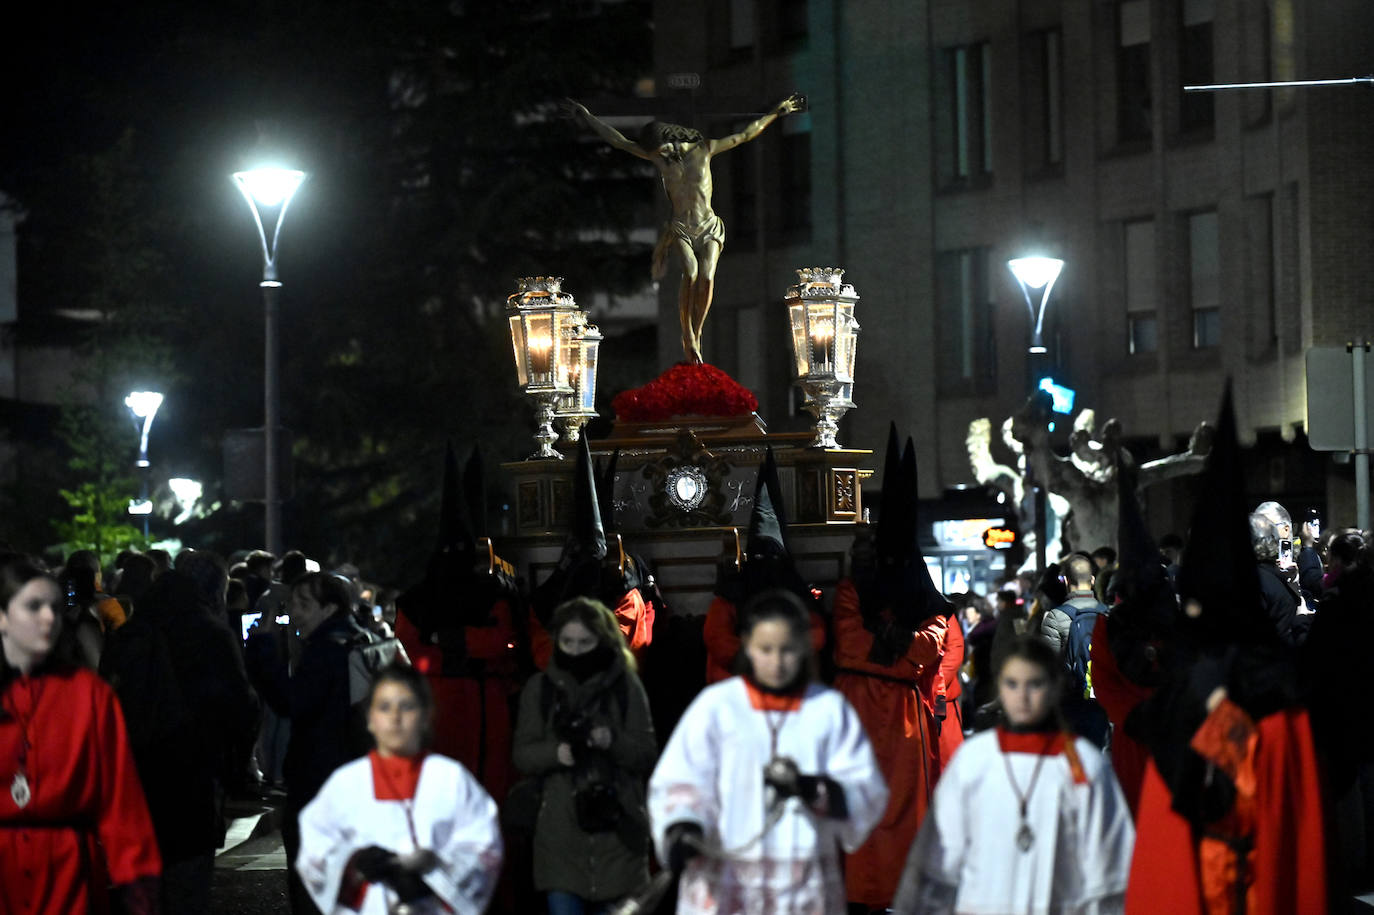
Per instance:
{"type": "Point", "coordinates": [1119, 695]}
{"type": "Point", "coordinates": [472, 712]}
{"type": "Point", "coordinates": [1278, 809]}
{"type": "Point", "coordinates": [721, 634]}
{"type": "Point", "coordinates": [900, 726]}
{"type": "Point", "coordinates": [947, 684]}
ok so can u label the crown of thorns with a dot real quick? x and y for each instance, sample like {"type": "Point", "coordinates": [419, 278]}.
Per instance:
{"type": "Point", "coordinates": [656, 133]}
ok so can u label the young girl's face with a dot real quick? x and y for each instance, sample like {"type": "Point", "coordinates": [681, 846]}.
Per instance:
{"type": "Point", "coordinates": [775, 653]}
{"type": "Point", "coordinates": [396, 719]}
{"type": "Point", "coordinates": [1026, 692]}
{"type": "Point", "coordinates": [575, 638]}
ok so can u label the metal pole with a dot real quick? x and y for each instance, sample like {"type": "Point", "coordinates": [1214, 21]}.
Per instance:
{"type": "Point", "coordinates": [1361, 437]}
{"type": "Point", "coordinates": [271, 403]}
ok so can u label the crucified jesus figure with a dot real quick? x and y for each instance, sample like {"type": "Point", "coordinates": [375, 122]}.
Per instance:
{"type": "Point", "coordinates": [694, 233]}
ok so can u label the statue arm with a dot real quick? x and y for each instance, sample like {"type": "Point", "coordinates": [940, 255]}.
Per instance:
{"type": "Point", "coordinates": [786, 106]}
{"type": "Point", "coordinates": [606, 131]}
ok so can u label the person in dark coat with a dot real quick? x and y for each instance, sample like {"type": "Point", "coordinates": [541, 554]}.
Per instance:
{"type": "Point", "coordinates": [326, 731]}
{"type": "Point", "coordinates": [192, 716]}
{"type": "Point", "coordinates": [1280, 598]}
{"type": "Point", "coordinates": [584, 728]}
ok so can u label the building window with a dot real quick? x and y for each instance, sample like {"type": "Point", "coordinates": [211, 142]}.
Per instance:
{"type": "Point", "coordinates": [742, 31]}
{"type": "Point", "coordinates": [1195, 64]}
{"type": "Point", "coordinates": [1142, 314]}
{"type": "Point", "coordinates": [1043, 101]}
{"type": "Point", "coordinates": [792, 192]}
{"type": "Point", "coordinates": [743, 226]}
{"type": "Point", "coordinates": [792, 23]}
{"type": "Point", "coordinates": [1204, 279]}
{"type": "Point", "coordinates": [1133, 105]}
{"type": "Point", "coordinates": [966, 147]}
{"type": "Point", "coordinates": [967, 352]}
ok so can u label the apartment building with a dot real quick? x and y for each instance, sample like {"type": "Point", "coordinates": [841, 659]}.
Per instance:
{"type": "Point", "coordinates": [1205, 235]}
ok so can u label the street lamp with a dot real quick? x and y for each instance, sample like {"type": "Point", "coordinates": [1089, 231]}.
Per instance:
{"type": "Point", "coordinates": [1037, 273]}
{"type": "Point", "coordinates": [143, 406]}
{"type": "Point", "coordinates": [270, 189]}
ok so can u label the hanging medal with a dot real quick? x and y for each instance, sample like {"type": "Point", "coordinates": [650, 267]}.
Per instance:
{"type": "Point", "coordinates": [1025, 836]}
{"type": "Point", "coordinates": [19, 790]}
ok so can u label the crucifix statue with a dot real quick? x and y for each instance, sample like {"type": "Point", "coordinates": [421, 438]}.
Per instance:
{"type": "Point", "coordinates": [694, 233]}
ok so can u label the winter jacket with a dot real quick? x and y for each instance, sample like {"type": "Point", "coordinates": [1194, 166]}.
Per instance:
{"type": "Point", "coordinates": [1280, 601]}
{"type": "Point", "coordinates": [325, 730]}
{"type": "Point", "coordinates": [192, 717]}
{"type": "Point", "coordinates": [601, 865]}
{"type": "Point", "coordinates": [1054, 630]}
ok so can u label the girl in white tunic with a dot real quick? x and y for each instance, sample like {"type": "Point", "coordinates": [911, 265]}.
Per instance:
{"type": "Point", "coordinates": [1028, 818]}
{"type": "Point", "coordinates": [399, 829]}
{"type": "Point", "coordinates": [764, 776]}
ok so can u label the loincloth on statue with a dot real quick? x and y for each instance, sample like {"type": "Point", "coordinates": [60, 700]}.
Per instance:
{"type": "Point", "coordinates": [696, 237]}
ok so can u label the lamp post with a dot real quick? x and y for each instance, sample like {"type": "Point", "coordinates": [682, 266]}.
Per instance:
{"type": "Point", "coordinates": [1037, 274]}
{"type": "Point", "coordinates": [143, 406]}
{"type": "Point", "coordinates": [820, 312]}
{"type": "Point", "coordinates": [543, 319]}
{"type": "Point", "coordinates": [270, 190]}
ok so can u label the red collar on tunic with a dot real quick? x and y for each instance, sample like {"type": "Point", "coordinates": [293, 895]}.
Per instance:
{"type": "Point", "coordinates": [771, 702]}
{"type": "Point", "coordinates": [1043, 743]}
{"type": "Point", "coordinates": [394, 777]}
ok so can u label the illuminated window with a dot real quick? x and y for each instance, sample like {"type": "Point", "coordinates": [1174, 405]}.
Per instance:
{"type": "Point", "coordinates": [1142, 316]}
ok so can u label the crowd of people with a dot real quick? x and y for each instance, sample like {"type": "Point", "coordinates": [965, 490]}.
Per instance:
{"type": "Point", "coordinates": [1155, 726]}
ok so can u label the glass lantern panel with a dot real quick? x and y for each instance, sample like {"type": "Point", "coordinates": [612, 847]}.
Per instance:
{"type": "Point", "coordinates": [847, 344]}
{"type": "Point", "coordinates": [822, 333]}
{"type": "Point", "coordinates": [801, 351]}
{"type": "Point", "coordinates": [517, 339]}
{"type": "Point", "coordinates": [589, 357]}
{"type": "Point", "coordinates": [542, 346]}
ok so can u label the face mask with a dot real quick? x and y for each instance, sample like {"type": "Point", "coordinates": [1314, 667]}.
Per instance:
{"type": "Point", "coordinates": [584, 665]}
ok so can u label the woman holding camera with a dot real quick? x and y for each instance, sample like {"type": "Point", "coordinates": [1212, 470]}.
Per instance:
{"type": "Point", "coordinates": [766, 775]}
{"type": "Point", "coordinates": [584, 730]}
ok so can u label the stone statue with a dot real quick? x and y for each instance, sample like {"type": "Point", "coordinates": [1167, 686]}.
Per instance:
{"type": "Point", "coordinates": [1081, 487]}
{"type": "Point", "coordinates": [695, 234]}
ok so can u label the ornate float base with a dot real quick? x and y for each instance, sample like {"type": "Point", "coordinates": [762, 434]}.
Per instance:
{"type": "Point", "coordinates": [682, 496]}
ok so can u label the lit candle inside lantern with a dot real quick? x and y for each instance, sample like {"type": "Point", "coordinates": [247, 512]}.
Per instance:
{"type": "Point", "coordinates": [822, 334]}
{"type": "Point", "coordinates": [540, 347]}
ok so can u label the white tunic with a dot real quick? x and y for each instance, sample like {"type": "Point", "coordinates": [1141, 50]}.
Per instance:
{"type": "Point", "coordinates": [711, 774]}
{"type": "Point", "coordinates": [966, 860]}
{"type": "Point", "coordinates": [453, 817]}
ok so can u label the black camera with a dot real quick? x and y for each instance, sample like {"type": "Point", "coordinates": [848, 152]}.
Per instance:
{"type": "Point", "coordinates": [573, 728]}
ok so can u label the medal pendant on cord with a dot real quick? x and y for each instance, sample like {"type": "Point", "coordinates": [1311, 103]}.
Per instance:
{"type": "Point", "coordinates": [19, 790]}
{"type": "Point", "coordinates": [1025, 838]}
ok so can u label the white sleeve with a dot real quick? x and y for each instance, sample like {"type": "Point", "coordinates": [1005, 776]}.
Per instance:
{"type": "Point", "coordinates": [851, 763]}
{"type": "Point", "coordinates": [1108, 841]}
{"type": "Point", "coordinates": [930, 879]}
{"type": "Point", "coordinates": [683, 786]}
{"type": "Point", "coordinates": [326, 846]}
{"type": "Point", "coordinates": [468, 846]}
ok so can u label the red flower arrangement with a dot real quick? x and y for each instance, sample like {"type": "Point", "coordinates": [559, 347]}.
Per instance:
{"type": "Point", "coordinates": [685, 390]}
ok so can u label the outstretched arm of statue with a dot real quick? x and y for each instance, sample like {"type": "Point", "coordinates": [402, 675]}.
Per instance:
{"type": "Point", "coordinates": [605, 131]}
{"type": "Point", "coordinates": [985, 467]}
{"type": "Point", "coordinates": [794, 102]}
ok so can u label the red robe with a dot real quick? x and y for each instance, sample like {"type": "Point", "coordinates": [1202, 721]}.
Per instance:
{"type": "Point", "coordinates": [946, 683]}
{"type": "Point", "coordinates": [472, 717]}
{"type": "Point", "coordinates": [86, 823]}
{"type": "Point", "coordinates": [900, 726]}
{"type": "Point", "coordinates": [1118, 695]}
{"type": "Point", "coordinates": [721, 634]}
{"type": "Point", "coordinates": [1278, 808]}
